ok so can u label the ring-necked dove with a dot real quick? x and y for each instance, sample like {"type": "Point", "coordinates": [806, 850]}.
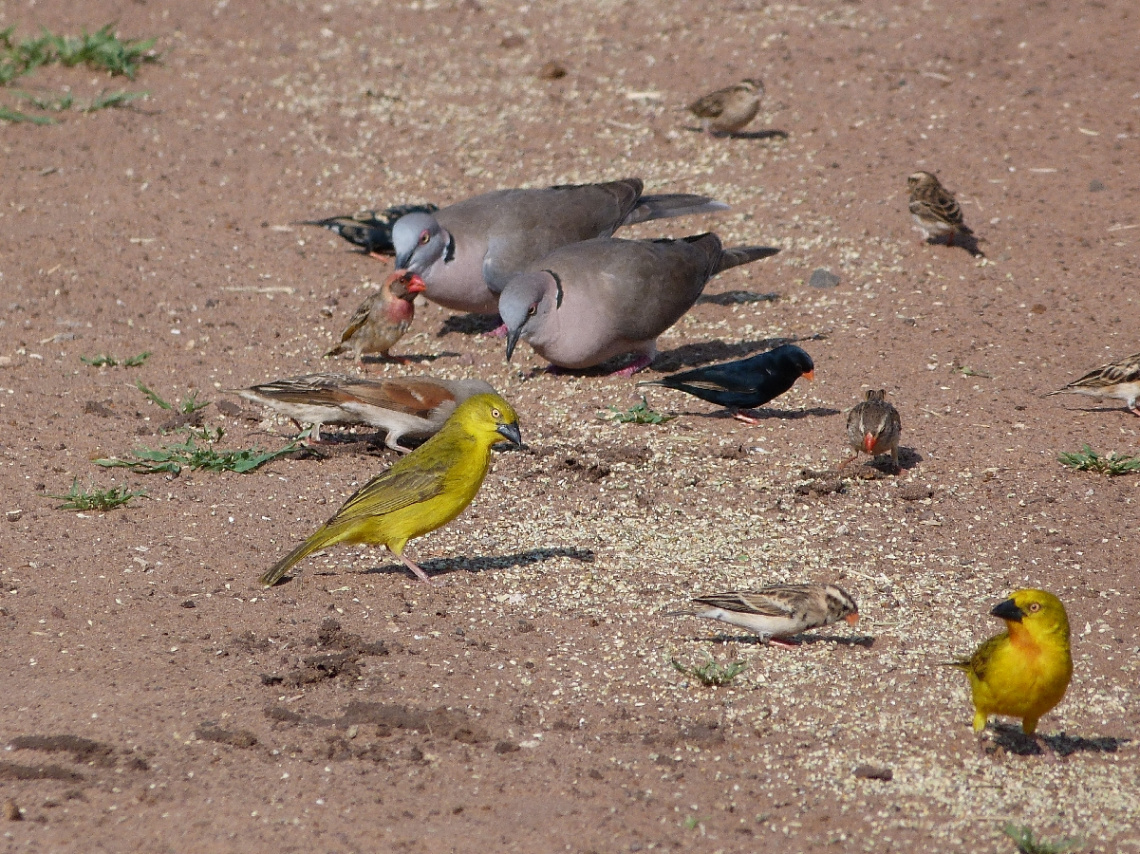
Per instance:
{"type": "Point", "coordinates": [370, 230]}
{"type": "Point", "coordinates": [745, 383]}
{"type": "Point", "coordinates": [728, 110]}
{"type": "Point", "coordinates": [415, 406]}
{"type": "Point", "coordinates": [874, 427]}
{"type": "Point", "coordinates": [381, 320]}
{"type": "Point", "coordinates": [935, 209]}
{"type": "Point", "coordinates": [467, 252]}
{"type": "Point", "coordinates": [590, 301]}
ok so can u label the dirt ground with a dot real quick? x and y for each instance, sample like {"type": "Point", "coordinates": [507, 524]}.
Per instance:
{"type": "Point", "coordinates": [155, 699]}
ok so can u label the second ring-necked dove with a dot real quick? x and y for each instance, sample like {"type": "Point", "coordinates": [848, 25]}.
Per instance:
{"type": "Point", "coordinates": [588, 302]}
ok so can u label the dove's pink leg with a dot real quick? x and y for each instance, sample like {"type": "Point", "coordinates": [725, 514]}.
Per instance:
{"type": "Point", "coordinates": [642, 361]}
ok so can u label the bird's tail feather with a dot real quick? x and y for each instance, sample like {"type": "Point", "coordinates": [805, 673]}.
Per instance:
{"type": "Point", "coordinates": [666, 205]}
{"type": "Point", "coordinates": [324, 537]}
{"type": "Point", "coordinates": [734, 256]}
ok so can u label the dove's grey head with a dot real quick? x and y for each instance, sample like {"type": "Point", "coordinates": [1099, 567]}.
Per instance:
{"type": "Point", "coordinates": [419, 242]}
{"type": "Point", "coordinates": [525, 303]}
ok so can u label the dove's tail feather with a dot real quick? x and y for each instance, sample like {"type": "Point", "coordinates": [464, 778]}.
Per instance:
{"type": "Point", "coordinates": [737, 255]}
{"type": "Point", "coordinates": [666, 205]}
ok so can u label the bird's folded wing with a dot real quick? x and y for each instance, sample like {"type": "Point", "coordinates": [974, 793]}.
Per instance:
{"type": "Point", "coordinates": [409, 396]}
{"type": "Point", "coordinates": [392, 490]}
{"type": "Point", "coordinates": [746, 603]}
{"type": "Point", "coordinates": [313, 390]}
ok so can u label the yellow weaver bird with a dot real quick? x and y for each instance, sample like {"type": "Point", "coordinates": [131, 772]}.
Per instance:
{"type": "Point", "coordinates": [420, 492]}
{"type": "Point", "coordinates": [1024, 671]}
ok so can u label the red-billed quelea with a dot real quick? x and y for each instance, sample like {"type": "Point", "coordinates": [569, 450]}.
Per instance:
{"type": "Point", "coordinates": [404, 406]}
{"type": "Point", "coordinates": [381, 320]}
{"type": "Point", "coordinates": [874, 427]}
{"type": "Point", "coordinates": [935, 209]}
{"type": "Point", "coordinates": [467, 252]}
{"type": "Point", "coordinates": [778, 611]}
{"type": "Point", "coordinates": [1120, 380]}
{"type": "Point", "coordinates": [586, 303]}
{"type": "Point", "coordinates": [728, 110]}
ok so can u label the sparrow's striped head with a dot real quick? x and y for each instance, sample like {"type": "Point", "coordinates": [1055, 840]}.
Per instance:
{"type": "Point", "coordinates": [840, 605]}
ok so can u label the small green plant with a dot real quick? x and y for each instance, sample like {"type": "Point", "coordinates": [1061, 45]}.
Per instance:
{"type": "Point", "coordinates": [1026, 843]}
{"type": "Point", "coordinates": [1111, 464]}
{"type": "Point", "coordinates": [693, 822]}
{"type": "Point", "coordinates": [711, 674]}
{"type": "Point", "coordinates": [113, 362]}
{"type": "Point", "coordinates": [55, 105]}
{"type": "Point", "coordinates": [186, 406]}
{"type": "Point", "coordinates": [101, 50]}
{"type": "Point", "coordinates": [638, 414]}
{"type": "Point", "coordinates": [197, 452]}
{"type": "Point", "coordinates": [95, 499]}
{"type": "Point", "coordinates": [106, 100]}
{"type": "Point", "coordinates": [966, 371]}
{"type": "Point", "coordinates": [7, 114]}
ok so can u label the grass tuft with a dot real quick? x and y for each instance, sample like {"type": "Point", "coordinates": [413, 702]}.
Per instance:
{"type": "Point", "coordinates": [101, 50]}
{"type": "Point", "coordinates": [1026, 843]}
{"type": "Point", "coordinates": [1111, 464]}
{"type": "Point", "coordinates": [95, 499]}
{"type": "Point", "coordinates": [711, 674]}
{"type": "Point", "coordinates": [638, 414]}
{"type": "Point", "coordinates": [186, 406]}
{"type": "Point", "coordinates": [114, 362]}
{"type": "Point", "coordinates": [197, 452]}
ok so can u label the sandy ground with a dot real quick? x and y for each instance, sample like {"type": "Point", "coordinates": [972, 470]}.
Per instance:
{"type": "Point", "coordinates": [157, 700]}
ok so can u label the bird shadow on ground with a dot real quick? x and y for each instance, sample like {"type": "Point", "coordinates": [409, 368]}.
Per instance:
{"type": "Point", "coordinates": [1094, 409]}
{"type": "Point", "coordinates": [444, 566]}
{"type": "Point", "coordinates": [403, 360]}
{"type": "Point", "coordinates": [865, 641]}
{"type": "Point", "coordinates": [881, 465]}
{"type": "Point", "coordinates": [768, 412]}
{"type": "Point", "coordinates": [736, 298]}
{"type": "Point", "coordinates": [1012, 740]}
{"type": "Point", "coordinates": [772, 133]}
{"type": "Point", "coordinates": [694, 355]}
{"type": "Point", "coordinates": [469, 324]}
{"type": "Point", "coordinates": [961, 241]}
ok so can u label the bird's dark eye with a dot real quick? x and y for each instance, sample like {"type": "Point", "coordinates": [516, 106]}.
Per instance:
{"type": "Point", "coordinates": [424, 238]}
{"type": "Point", "coordinates": [530, 312]}
{"type": "Point", "coordinates": [496, 414]}
{"type": "Point", "coordinates": [1035, 607]}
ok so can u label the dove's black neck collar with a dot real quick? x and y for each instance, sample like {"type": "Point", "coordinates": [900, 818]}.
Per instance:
{"type": "Point", "coordinates": [558, 286]}
{"type": "Point", "coordinates": [449, 253]}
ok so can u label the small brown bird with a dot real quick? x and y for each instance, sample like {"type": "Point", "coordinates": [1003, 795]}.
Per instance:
{"type": "Point", "coordinates": [1119, 379]}
{"type": "Point", "coordinates": [381, 320]}
{"type": "Point", "coordinates": [728, 110]}
{"type": "Point", "coordinates": [874, 427]}
{"type": "Point", "coordinates": [416, 406]}
{"type": "Point", "coordinates": [778, 611]}
{"type": "Point", "coordinates": [935, 209]}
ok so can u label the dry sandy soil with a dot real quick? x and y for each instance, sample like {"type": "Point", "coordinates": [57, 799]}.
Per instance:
{"type": "Point", "coordinates": [155, 699]}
